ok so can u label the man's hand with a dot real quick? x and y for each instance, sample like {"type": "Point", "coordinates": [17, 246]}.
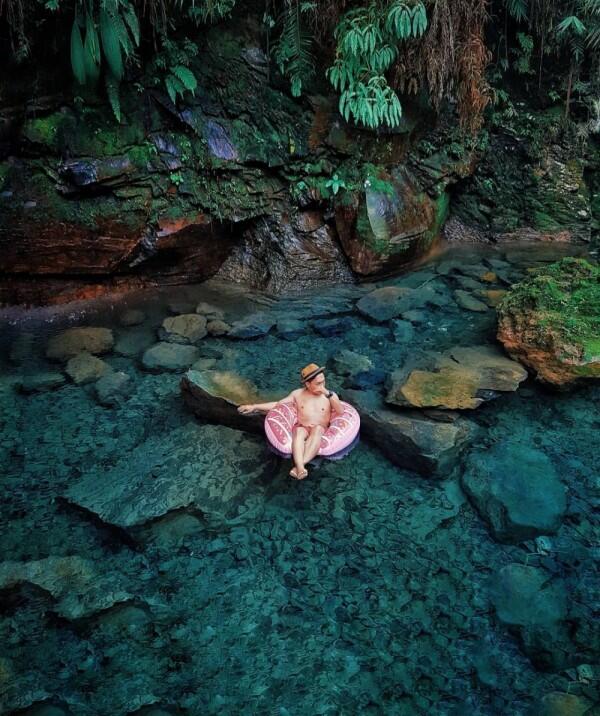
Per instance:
{"type": "Point", "coordinates": [246, 409]}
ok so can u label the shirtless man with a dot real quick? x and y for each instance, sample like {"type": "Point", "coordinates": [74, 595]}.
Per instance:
{"type": "Point", "coordinates": [314, 403]}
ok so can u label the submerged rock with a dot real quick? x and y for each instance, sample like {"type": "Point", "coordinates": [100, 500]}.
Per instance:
{"type": "Point", "coordinates": [132, 317]}
{"type": "Point", "coordinates": [134, 341]}
{"type": "Point", "coordinates": [462, 378]}
{"type": "Point", "coordinates": [208, 469]}
{"type": "Point", "coordinates": [469, 302]}
{"type": "Point", "coordinates": [516, 490]}
{"type": "Point", "coordinates": [357, 370]}
{"type": "Point", "coordinates": [333, 326]}
{"type": "Point", "coordinates": [385, 303]}
{"type": "Point", "coordinates": [40, 382]}
{"type": "Point", "coordinates": [253, 326]}
{"type": "Point", "coordinates": [87, 339]}
{"type": "Point", "coordinates": [187, 328]}
{"type": "Point", "coordinates": [528, 596]}
{"type": "Point", "coordinates": [75, 583]}
{"type": "Point", "coordinates": [86, 368]}
{"type": "Point", "coordinates": [551, 321]}
{"type": "Point", "coordinates": [169, 356]}
{"type": "Point", "coordinates": [112, 387]}
{"type": "Point", "coordinates": [215, 395]}
{"type": "Point", "coordinates": [558, 703]}
{"type": "Point", "coordinates": [409, 439]}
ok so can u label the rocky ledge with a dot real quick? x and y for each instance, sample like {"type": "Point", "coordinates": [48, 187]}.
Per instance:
{"type": "Point", "coordinates": [550, 322]}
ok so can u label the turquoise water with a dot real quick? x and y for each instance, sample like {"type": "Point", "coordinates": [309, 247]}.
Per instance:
{"type": "Point", "coordinates": [365, 589]}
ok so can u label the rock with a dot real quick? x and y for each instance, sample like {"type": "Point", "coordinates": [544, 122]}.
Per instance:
{"type": "Point", "coordinates": [290, 328]}
{"type": "Point", "coordinates": [203, 364]}
{"type": "Point", "coordinates": [132, 317]}
{"type": "Point", "coordinates": [418, 318]}
{"type": "Point", "coordinates": [86, 368]}
{"type": "Point", "coordinates": [73, 582]}
{"type": "Point", "coordinates": [217, 328]}
{"type": "Point", "coordinates": [402, 331]}
{"type": "Point", "coordinates": [410, 440]}
{"type": "Point", "coordinates": [333, 326]}
{"type": "Point", "coordinates": [40, 382]}
{"type": "Point", "coordinates": [558, 703]}
{"type": "Point", "coordinates": [351, 363]}
{"type": "Point", "coordinates": [385, 303]}
{"type": "Point", "coordinates": [492, 296]}
{"type": "Point", "coordinates": [253, 326]}
{"type": "Point", "coordinates": [276, 254]}
{"type": "Point", "coordinates": [467, 301]}
{"type": "Point", "coordinates": [461, 378]}
{"type": "Point", "coordinates": [209, 470]}
{"type": "Point", "coordinates": [551, 321]}
{"type": "Point", "coordinates": [388, 224]}
{"type": "Point", "coordinates": [210, 312]}
{"type": "Point", "coordinates": [516, 490]}
{"type": "Point", "coordinates": [528, 596]}
{"type": "Point", "coordinates": [134, 342]}
{"type": "Point", "coordinates": [87, 339]}
{"type": "Point", "coordinates": [169, 356]}
{"type": "Point", "coordinates": [214, 395]}
{"type": "Point", "coordinates": [112, 387]}
{"type": "Point", "coordinates": [187, 328]}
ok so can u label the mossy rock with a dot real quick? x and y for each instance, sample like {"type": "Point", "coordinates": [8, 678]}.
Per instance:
{"type": "Point", "coordinates": [551, 321]}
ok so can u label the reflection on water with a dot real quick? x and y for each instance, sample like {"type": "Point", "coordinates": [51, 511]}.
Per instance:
{"type": "Point", "coordinates": [155, 565]}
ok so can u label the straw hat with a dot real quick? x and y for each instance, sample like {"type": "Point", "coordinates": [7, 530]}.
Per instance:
{"type": "Point", "coordinates": [310, 371]}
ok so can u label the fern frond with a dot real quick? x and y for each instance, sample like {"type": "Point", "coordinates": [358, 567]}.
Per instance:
{"type": "Point", "coordinates": [112, 91]}
{"type": "Point", "coordinates": [186, 76]}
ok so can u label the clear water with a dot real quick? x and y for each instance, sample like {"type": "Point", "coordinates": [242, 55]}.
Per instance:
{"type": "Point", "coordinates": [365, 589]}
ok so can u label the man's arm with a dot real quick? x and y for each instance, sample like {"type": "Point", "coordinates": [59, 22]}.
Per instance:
{"type": "Point", "coordinates": [264, 407]}
{"type": "Point", "coordinates": [336, 403]}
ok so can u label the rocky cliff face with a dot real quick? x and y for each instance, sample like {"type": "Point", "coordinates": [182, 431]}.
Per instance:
{"type": "Point", "coordinates": [245, 181]}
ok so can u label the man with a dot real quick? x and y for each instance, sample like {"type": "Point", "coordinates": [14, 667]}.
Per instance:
{"type": "Point", "coordinates": [314, 405]}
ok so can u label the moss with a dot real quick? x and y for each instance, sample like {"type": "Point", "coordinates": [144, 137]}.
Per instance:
{"type": "Point", "coordinates": [566, 298]}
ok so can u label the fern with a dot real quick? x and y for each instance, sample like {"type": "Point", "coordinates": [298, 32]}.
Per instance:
{"type": "Point", "coordinates": [112, 91]}
{"type": "Point", "coordinates": [517, 9]}
{"type": "Point", "coordinates": [292, 50]}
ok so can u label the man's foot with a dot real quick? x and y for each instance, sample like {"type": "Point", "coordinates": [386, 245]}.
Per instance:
{"type": "Point", "coordinates": [299, 475]}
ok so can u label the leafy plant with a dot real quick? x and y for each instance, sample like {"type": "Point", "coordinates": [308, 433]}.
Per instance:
{"type": "Point", "coordinates": [292, 50]}
{"type": "Point", "coordinates": [367, 45]}
{"type": "Point", "coordinates": [171, 67]}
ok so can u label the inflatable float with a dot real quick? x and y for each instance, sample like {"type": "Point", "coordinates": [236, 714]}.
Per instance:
{"type": "Point", "coordinates": [339, 438]}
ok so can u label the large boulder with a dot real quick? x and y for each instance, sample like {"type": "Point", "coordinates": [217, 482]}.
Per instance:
{"type": "Point", "coordinates": [390, 223]}
{"type": "Point", "coordinates": [410, 440]}
{"type": "Point", "coordinates": [88, 339]}
{"type": "Point", "coordinates": [516, 490]}
{"type": "Point", "coordinates": [461, 378]}
{"type": "Point", "coordinates": [209, 470]}
{"type": "Point", "coordinates": [214, 395]}
{"type": "Point", "coordinates": [551, 321]}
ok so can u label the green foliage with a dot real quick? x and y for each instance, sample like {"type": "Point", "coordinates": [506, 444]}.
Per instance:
{"type": "Point", "coordinates": [367, 45]}
{"type": "Point", "coordinates": [292, 50]}
{"type": "Point", "coordinates": [523, 62]}
{"type": "Point", "coordinates": [171, 67]}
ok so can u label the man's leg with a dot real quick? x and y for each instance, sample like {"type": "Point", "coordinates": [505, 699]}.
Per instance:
{"type": "Point", "coordinates": [312, 445]}
{"type": "Point", "coordinates": [298, 441]}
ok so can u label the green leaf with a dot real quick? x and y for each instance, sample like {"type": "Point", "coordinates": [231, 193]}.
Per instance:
{"type": "Point", "coordinates": [111, 44]}
{"type": "Point", "coordinates": [112, 90]}
{"type": "Point", "coordinates": [77, 54]}
{"type": "Point", "coordinates": [186, 76]}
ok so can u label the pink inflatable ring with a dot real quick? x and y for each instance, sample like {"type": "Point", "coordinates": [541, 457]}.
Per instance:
{"type": "Point", "coordinates": [339, 438]}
